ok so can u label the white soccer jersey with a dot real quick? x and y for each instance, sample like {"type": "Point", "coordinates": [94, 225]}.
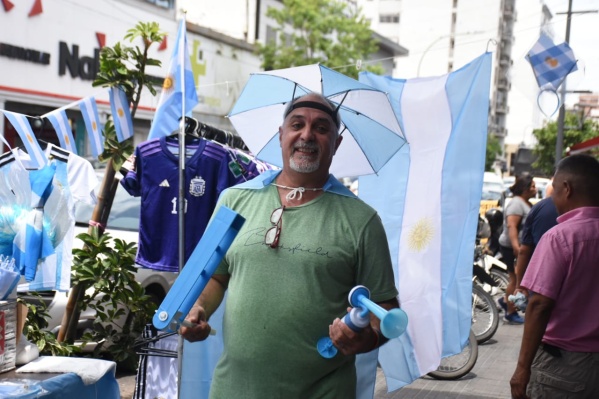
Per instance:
{"type": "Point", "coordinates": [74, 181]}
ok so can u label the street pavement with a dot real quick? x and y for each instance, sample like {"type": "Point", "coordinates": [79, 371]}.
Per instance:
{"type": "Point", "coordinates": [490, 377]}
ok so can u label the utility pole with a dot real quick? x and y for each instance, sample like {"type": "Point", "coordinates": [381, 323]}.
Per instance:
{"type": "Point", "coordinates": [559, 143]}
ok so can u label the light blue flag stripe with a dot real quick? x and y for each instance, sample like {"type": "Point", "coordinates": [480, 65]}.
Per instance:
{"type": "Point", "coordinates": [23, 128]}
{"type": "Point", "coordinates": [463, 169]}
{"type": "Point", "coordinates": [61, 125]}
{"type": "Point", "coordinates": [170, 105]}
{"type": "Point", "coordinates": [121, 114]}
{"type": "Point", "coordinates": [89, 111]}
{"type": "Point", "coordinates": [467, 92]}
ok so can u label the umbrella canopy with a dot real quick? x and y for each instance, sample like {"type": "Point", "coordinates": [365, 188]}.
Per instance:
{"type": "Point", "coordinates": [370, 128]}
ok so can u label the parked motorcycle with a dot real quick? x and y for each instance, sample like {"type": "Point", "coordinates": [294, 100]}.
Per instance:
{"type": "Point", "coordinates": [487, 282]}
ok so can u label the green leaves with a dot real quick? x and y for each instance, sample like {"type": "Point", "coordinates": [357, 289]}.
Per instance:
{"type": "Point", "coordinates": [125, 67]}
{"type": "Point", "coordinates": [493, 150]}
{"type": "Point", "coordinates": [37, 316]}
{"type": "Point", "coordinates": [576, 130]}
{"type": "Point", "coordinates": [318, 31]}
{"type": "Point", "coordinates": [106, 269]}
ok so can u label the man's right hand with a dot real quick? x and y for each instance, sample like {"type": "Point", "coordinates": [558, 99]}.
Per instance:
{"type": "Point", "coordinates": [199, 328]}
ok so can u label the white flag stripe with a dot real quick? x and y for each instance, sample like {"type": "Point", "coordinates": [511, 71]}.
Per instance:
{"type": "Point", "coordinates": [420, 261]}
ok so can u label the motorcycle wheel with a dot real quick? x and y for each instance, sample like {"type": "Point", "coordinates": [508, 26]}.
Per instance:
{"type": "Point", "coordinates": [457, 366]}
{"type": "Point", "coordinates": [485, 316]}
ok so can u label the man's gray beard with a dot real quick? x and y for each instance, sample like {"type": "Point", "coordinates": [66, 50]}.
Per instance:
{"type": "Point", "coordinates": [304, 167]}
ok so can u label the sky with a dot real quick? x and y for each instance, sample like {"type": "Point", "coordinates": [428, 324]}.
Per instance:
{"type": "Point", "coordinates": [584, 40]}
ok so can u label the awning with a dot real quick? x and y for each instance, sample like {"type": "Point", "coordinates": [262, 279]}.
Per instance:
{"type": "Point", "coordinates": [584, 146]}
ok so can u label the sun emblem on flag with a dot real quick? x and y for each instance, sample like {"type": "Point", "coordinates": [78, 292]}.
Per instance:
{"type": "Point", "coordinates": [120, 112]}
{"type": "Point", "coordinates": [420, 235]}
{"type": "Point", "coordinates": [29, 138]}
{"type": "Point", "coordinates": [552, 62]}
{"type": "Point", "coordinates": [168, 84]}
{"type": "Point", "coordinates": [94, 126]}
{"type": "Point", "coordinates": [66, 139]}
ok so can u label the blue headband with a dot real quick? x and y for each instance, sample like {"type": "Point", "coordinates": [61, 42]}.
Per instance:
{"type": "Point", "coordinates": [315, 105]}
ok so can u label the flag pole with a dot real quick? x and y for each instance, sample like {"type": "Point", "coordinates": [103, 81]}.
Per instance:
{"type": "Point", "coordinates": [181, 202]}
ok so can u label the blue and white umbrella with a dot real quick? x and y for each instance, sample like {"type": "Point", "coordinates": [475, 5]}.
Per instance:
{"type": "Point", "coordinates": [372, 134]}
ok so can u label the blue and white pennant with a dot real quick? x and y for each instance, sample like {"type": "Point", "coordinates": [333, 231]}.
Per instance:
{"type": "Point", "coordinates": [551, 63]}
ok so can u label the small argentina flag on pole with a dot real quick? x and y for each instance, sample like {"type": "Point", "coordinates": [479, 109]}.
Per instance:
{"type": "Point", "coordinates": [551, 63]}
{"type": "Point", "coordinates": [62, 127]}
{"type": "Point", "coordinates": [121, 115]}
{"type": "Point", "coordinates": [23, 128]}
{"type": "Point", "coordinates": [89, 110]}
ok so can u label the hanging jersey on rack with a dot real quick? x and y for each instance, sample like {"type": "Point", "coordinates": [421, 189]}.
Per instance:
{"type": "Point", "coordinates": [209, 170]}
{"type": "Point", "coordinates": [73, 180]}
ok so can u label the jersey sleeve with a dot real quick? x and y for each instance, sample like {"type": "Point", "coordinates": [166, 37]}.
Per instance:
{"type": "Point", "coordinates": [131, 182]}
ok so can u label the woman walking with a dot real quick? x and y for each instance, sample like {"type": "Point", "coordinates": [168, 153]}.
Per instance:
{"type": "Point", "coordinates": [509, 242]}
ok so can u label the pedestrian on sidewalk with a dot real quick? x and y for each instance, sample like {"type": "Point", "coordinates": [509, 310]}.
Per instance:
{"type": "Point", "coordinates": [559, 355]}
{"type": "Point", "coordinates": [515, 213]}
{"type": "Point", "coordinates": [542, 216]}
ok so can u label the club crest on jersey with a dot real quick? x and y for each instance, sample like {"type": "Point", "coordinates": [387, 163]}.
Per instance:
{"type": "Point", "coordinates": [197, 186]}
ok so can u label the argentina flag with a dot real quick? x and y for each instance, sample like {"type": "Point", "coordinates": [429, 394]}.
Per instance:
{"type": "Point", "coordinates": [89, 111]}
{"type": "Point", "coordinates": [62, 127]}
{"type": "Point", "coordinates": [23, 128]}
{"type": "Point", "coordinates": [178, 86]}
{"type": "Point", "coordinates": [551, 63]}
{"type": "Point", "coordinates": [428, 197]}
{"type": "Point", "coordinates": [121, 115]}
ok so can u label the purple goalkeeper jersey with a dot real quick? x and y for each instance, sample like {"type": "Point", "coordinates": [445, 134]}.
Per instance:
{"type": "Point", "coordinates": [211, 169]}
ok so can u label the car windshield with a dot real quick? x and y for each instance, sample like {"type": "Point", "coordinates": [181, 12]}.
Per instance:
{"type": "Point", "coordinates": [124, 214]}
{"type": "Point", "coordinates": [491, 186]}
{"type": "Point", "coordinates": [491, 195]}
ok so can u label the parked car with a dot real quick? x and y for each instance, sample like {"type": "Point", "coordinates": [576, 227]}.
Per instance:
{"type": "Point", "coordinates": [493, 192]}
{"type": "Point", "coordinates": [123, 223]}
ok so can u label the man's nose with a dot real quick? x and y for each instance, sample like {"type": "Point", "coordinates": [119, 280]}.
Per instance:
{"type": "Point", "coordinates": [307, 133]}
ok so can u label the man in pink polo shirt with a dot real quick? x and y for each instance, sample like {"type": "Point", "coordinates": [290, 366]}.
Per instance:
{"type": "Point", "coordinates": [559, 356]}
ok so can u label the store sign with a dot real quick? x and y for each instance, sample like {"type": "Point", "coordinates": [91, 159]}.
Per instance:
{"type": "Point", "coordinates": [24, 54]}
{"type": "Point", "coordinates": [83, 67]}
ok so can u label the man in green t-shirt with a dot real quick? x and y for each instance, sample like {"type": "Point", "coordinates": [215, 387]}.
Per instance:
{"type": "Point", "coordinates": [307, 241]}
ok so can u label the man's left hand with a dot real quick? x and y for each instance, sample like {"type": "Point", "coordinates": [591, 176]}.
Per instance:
{"type": "Point", "coordinates": [349, 342]}
{"type": "Point", "coordinates": [519, 382]}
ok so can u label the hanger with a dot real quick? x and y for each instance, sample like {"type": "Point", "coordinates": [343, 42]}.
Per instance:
{"type": "Point", "coordinates": [190, 130]}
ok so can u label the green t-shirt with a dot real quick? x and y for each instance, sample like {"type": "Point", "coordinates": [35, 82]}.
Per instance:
{"type": "Point", "coordinates": [281, 301]}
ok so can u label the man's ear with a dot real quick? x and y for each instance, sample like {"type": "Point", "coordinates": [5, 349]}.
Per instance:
{"type": "Point", "coordinates": [568, 189]}
{"type": "Point", "coordinates": [337, 143]}
{"type": "Point", "coordinates": [280, 136]}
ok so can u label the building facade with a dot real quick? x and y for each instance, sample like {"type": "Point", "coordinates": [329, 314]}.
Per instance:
{"type": "Point", "coordinates": [49, 58]}
{"type": "Point", "coordinates": [444, 35]}
{"type": "Point", "coordinates": [247, 20]}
